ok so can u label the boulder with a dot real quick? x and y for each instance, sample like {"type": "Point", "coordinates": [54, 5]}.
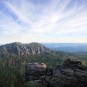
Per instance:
{"type": "Point", "coordinates": [34, 70]}
{"type": "Point", "coordinates": [38, 73]}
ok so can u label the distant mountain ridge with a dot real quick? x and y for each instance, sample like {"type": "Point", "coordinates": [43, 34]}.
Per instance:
{"type": "Point", "coordinates": [79, 48]}
{"type": "Point", "coordinates": [23, 49]}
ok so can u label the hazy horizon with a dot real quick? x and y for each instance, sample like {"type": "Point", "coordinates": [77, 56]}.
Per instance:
{"type": "Point", "coordinates": [43, 21]}
{"type": "Point", "coordinates": [49, 43]}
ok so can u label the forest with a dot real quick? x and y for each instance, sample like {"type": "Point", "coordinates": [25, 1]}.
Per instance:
{"type": "Point", "coordinates": [12, 66]}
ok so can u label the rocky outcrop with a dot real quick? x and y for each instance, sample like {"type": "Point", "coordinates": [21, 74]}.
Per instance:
{"type": "Point", "coordinates": [71, 73]}
{"type": "Point", "coordinates": [38, 73]}
{"type": "Point", "coordinates": [23, 49]}
{"type": "Point", "coordinates": [34, 70]}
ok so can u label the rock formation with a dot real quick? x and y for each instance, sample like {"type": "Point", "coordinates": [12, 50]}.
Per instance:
{"type": "Point", "coordinates": [23, 49]}
{"type": "Point", "coordinates": [71, 73]}
{"type": "Point", "coordinates": [38, 72]}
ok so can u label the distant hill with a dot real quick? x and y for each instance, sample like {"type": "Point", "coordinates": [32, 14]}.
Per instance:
{"type": "Point", "coordinates": [33, 52]}
{"type": "Point", "coordinates": [23, 49]}
{"type": "Point", "coordinates": [36, 52]}
{"type": "Point", "coordinates": [72, 48]}
{"type": "Point", "coordinates": [79, 48]}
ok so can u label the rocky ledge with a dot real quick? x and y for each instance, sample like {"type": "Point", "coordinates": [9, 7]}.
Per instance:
{"type": "Point", "coordinates": [38, 73]}
{"type": "Point", "coordinates": [72, 73]}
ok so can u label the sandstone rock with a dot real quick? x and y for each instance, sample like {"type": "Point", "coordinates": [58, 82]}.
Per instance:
{"type": "Point", "coordinates": [67, 72]}
{"type": "Point", "coordinates": [42, 77]}
{"type": "Point", "coordinates": [35, 69]}
{"type": "Point", "coordinates": [72, 73]}
{"type": "Point", "coordinates": [38, 73]}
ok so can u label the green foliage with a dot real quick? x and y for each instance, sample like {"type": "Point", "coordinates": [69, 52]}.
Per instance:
{"type": "Point", "coordinates": [29, 84]}
{"type": "Point", "coordinates": [12, 66]}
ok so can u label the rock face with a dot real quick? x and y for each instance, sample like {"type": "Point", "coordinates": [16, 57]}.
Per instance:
{"type": "Point", "coordinates": [23, 49]}
{"type": "Point", "coordinates": [38, 72]}
{"type": "Point", "coordinates": [71, 73]}
{"type": "Point", "coordinates": [34, 70]}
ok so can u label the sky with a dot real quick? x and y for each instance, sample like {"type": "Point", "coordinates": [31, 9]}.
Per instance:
{"type": "Point", "coordinates": [53, 21]}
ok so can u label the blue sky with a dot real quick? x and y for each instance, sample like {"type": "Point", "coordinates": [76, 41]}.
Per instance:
{"type": "Point", "coordinates": [62, 21]}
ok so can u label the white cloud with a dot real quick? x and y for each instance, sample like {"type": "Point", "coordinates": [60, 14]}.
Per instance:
{"type": "Point", "coordinates": [53, 20]}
